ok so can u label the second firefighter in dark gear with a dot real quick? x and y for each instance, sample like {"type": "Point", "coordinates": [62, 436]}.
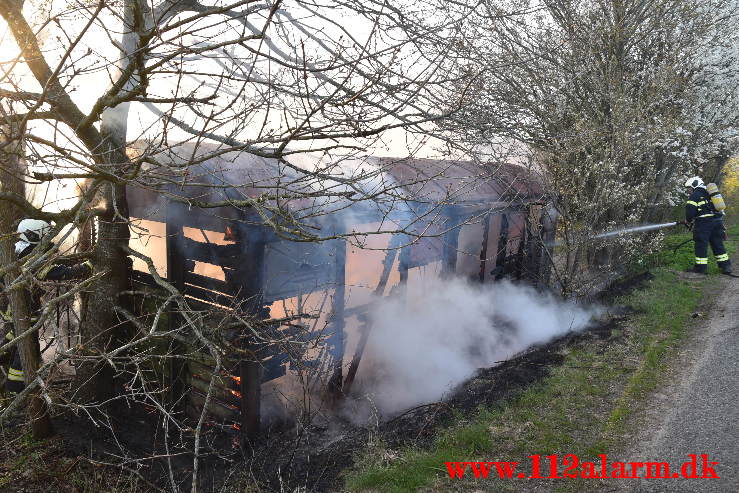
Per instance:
{"type": "Point", "coordinates": [30, 233]}
{"type": "Point", "coordinates": [708, 227]}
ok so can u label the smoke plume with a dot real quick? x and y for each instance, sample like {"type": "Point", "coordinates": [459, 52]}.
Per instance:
{"type": "Point", "coordinates": [423, 344]}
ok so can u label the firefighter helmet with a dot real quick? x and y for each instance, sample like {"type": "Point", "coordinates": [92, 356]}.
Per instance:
{"type": "Point", "coordinates": [33, 230]}
{"type": "Point", "coordinates": [695, 182]}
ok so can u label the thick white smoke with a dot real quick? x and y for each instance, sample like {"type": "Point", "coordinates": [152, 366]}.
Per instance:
{"type": "Point", "coordinates": [423, 345]}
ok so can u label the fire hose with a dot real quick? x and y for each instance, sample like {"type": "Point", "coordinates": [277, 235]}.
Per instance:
{"type": "Point", "coordinates": [688, 225]}
{"type": "Point", "coordinates": [674, 251]}
{"type": "Point", "coordinates": [690, 228]}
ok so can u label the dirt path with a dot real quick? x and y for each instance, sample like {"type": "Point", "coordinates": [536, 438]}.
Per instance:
{"type": "Point", "coordinates": [698, 411]}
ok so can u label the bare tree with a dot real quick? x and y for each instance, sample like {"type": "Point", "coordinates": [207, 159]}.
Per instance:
{"type": "Point", "coordinates": [615, 101]}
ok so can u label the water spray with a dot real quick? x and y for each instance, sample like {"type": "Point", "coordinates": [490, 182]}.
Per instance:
{"type": "Point", "coordinates": [637, 229]}
{"type": "Point", "coordinates": [630, 230]}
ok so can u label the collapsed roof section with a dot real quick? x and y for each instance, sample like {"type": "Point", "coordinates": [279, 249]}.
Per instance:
{"type": "Point", "coordinates": [219, 184]}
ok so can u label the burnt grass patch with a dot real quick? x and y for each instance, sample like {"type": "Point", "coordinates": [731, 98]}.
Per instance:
{"type": "Point", "coordinates": [316, 457]}
{"type": "Point", "coordinates": [624, 286]}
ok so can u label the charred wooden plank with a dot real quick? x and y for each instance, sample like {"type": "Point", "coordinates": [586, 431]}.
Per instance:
{"type": "Point", "coordinates": [336, 341]}
{"type": "Point", "coordinates": [218, 408]}
{"type": "Point", "coordinates": [209, 296]}
{"type": "Point", "coordinates": [208, 283]}
{"type": "Point", "coordinates": [251, 274]}
{"type": "Point", "coordinates": [142, 278]}
{"type": "Point", "coordinates": [225, 394]}
{"type": "Point", "coordinates": [484, 249]}
{"type": "Point", "coordinates": [450, 248]}
{"type": "Point", "coordinates": [251, 395]}
{"type": "Point", "coordinates": [209, 252]}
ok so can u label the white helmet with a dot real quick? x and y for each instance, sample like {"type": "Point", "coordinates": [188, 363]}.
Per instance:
{"type": "Point", "coordinates": [695, 182]}
{"type": "Point", "coordinates": [33, 230]}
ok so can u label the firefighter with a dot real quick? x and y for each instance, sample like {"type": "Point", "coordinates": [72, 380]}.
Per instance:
{"type": "Point", "coordinates": [30, 233]}
{"type": "Point", "coordinates": [708, 227]}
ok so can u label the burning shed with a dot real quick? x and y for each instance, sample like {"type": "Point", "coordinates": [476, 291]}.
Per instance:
{"type": "Point", "coordinates": [307, 252]}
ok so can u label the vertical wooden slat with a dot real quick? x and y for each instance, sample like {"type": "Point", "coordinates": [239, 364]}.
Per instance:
{"type": "Point", "coordinates": [484, 250]}
{"type": "Point", "coordinates": [403, 264]}
{"type": "Point", "coordinates": [534, 246]}
{"type": "Point", "coordinates": [176, 276]}
{"type": "Point", "coordinates": [521, 254]}
{"type": "Point", "coordinates": [450, 247]}
{"type": "Point", "coordinates": [336, 341]}
{"type": "Point", "coordinates": [500, 259]}
{"type": "Point", "coordinates": [175, 259]}
{"type": "Point", "coordinates": [250, 372]}
{"type": "Point", "coordinates": [251, 272]}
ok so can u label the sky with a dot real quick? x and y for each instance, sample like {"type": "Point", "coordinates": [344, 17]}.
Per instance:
{"type": "Point", "coordinates": [94, 61]}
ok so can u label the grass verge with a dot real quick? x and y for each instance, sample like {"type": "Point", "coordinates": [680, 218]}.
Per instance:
{"type": "Point", "coordinates": [580, 408]}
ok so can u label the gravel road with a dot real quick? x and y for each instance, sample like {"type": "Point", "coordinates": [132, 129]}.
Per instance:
{"type": "Point", "coordinates": [698, 411]}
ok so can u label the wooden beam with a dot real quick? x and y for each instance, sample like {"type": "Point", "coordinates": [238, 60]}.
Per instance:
{"type": "Point", "coordinates": [449, 248]}
{"type": "Point", "coordinates": [502, 253]}
{"type": "Point", "coordinates": [484, 250]}
{"type": "Point", "coordinates": [336, 340]}
{"type": "Point", "coordinates": [250, 372]}
{"type": "Point", "coordinates": [366, 327]}
{"type": "Point", "coordinates": [251, 273]}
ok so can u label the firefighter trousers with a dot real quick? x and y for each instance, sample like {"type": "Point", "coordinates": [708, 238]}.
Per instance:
{"type": "Point", "coordinates": [710, 231]}
{"type": "Point", "coordinates": [15, 381]}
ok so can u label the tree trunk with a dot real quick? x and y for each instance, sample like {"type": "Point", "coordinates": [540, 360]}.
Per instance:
{"type": "Point", "coordinates": [11, 181]}
{"type": "Point", "coordinates": [102, 327]}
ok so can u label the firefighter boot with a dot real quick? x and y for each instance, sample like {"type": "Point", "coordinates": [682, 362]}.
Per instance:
{"type": "Point", "coordinates": [725, 267]}
{"type": "Point", "coordinates": [699, 269]}
{"type": "Point", "coordinates": [14, 384]}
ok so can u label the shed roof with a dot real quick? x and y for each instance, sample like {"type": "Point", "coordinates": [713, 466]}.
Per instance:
{"type": "Point", "coordinates": [210, 173]}
{"type": "Point", "coordinates": [462, 182]}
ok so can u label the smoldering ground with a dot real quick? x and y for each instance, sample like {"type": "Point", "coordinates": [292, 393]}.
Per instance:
{"type": "Point", "coordinates": [425, 343]}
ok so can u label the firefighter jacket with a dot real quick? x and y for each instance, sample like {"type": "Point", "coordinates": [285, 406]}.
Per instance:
{"type": "Point", "coordinates": [60, 272]}
{"type": "Point", "coordinates": [50, 273]}
{"type": "Point", "coordinates": [53, 272]}
{"type": "Point", "coordinates": [699, 206]}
